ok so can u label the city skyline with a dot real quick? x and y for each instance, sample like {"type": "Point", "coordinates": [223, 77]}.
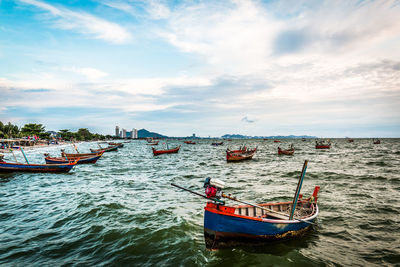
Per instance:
{"type": "Point", "coordinates": [258, 68]}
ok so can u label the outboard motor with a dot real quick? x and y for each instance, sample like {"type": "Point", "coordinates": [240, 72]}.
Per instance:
{"type": "Point", "coordinates": [213, 187]}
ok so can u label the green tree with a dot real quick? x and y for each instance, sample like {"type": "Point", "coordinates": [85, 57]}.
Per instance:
{"type": "Point", "coordinates": [33, 129]}
{"type": "Point", "coordinates": [83, 134]}
{"type": "Point", "coordinates": [10, 130]}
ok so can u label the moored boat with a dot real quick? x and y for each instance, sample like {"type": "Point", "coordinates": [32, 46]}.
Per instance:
{"type": "Point", "coordinates": [63, 160]}
{"type": "Point", "coordinates": [106, 149]}
{"type": "Point", "coordinates": [217, 143]}
{"type": "Point", "coordinates": [277, 141]}
{"type": "Point", "coordinates": [239, 155]}
{"type": "Point", "coordinates": [322, 145]}
{"type": "Point", "coordinates": [253, 224]}
{"type": "Point", "coordinates": [79, 155]}
{"type": "Point", "coordinates": [166, 151]}
{"type": "Point", "coordinates": [376, 141]}
{"type": "Point", "coordinates": [190, 142]}
{"type": "Point", "coordinates": [119, 145]}
{"type": "Point", "coordinates": [7, 167]}
{"type": "Point", "coordinates": [153, 143]}
{"type": "Point", "coordinates": [289, 151]}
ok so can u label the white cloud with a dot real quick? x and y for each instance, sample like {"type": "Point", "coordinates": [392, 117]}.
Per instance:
{"type": "Point", "coordinates": [84, 23]}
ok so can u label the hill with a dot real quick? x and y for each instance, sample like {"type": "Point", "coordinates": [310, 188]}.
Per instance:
{"type": "Point", "coordinates": [143, 133]}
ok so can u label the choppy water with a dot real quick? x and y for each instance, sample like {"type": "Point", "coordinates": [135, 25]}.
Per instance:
{"type": "Point", "coordinates": [123, 210]}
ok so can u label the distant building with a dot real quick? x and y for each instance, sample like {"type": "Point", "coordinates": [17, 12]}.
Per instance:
{"type": "Point", "coordinates": [123, 133]}
{"type": "Point", "coordinates": [128, 134]}
{"type": "Point", "coordinates": [116, 131]}
{"type": "Point", "coordinates": [134, 133]}
{"type": "Point", "coordinates": [194, 135]}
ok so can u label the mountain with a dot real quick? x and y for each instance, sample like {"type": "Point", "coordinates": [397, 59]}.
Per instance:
{"type": "Point", "coordinates": [143, 133]}
{"type": "Point", "coordinates": [239, 136]}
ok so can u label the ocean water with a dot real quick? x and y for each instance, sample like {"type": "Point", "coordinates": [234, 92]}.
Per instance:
{"type": "Point", "coordinates": [122, 211]}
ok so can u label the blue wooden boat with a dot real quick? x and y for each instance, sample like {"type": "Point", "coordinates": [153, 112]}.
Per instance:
{"type": "Point", "coordinates": [227, 226]}
{"type": "Point", "coordinates": [7, 167]}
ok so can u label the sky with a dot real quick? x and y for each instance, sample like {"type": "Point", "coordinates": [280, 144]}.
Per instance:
{"type": "Point", "coordinates": [260, 68]}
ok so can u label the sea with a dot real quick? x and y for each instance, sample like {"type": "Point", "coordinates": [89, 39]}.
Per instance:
{"type": "Point", "coordinates": [123, 211]}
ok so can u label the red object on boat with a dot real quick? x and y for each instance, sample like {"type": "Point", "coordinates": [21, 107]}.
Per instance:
{"type": "Point", "coordinates": [189, 142]}
{"type": "Point", "coordinates": [289, 152]}
{"type": "Point", "coordinates": [239, 155]}
{"type": "Point", "coordinates": [168, 151]}
{"type": "Point", "coordinates": [323, 146]}
{"type": "Point", "coordinates": [211, 192]}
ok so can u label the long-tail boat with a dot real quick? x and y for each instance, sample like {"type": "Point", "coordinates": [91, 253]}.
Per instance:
{"type": "Point", "coordinates": [79, 155]}
{"type": "Point", "coordinates": [167, 151]}
{"type": "Point", "coordinates": [106, 149]}
{"type": "Point", "coordinates": [239, 155]}
{"type": "Point", "coordinates": [289, 151]}
{"type": "Point", "coordinates": [376, 141]}
{"type": "Point", "coordinates": [322, 145]}
{"type": "Point", "coordinates": [350, 140]}
{"type": "Point", "coordinates": [116, 144]}
{"type": "Point", "coordinates": [217, 143]}
{"type": "Point", "coordinates": [153, 143]}
{"type": "Point", "coordinates": [277, 141]}
{"type": "Point", "coordinates": [233, 225]}
{"type": "Point", "coordinates": [7, 167]}
{"type": "Point", "coordinates": [83, 160]}
{"type": "Point", "coordinates": [190, 142]}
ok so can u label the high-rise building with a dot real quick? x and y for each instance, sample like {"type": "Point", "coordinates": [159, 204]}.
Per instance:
{"type": "Point", "coordinates": [123, 133]}
{"type": "Point", "coordinates": [116, 131]}
{"type": "Point", "coordinates": [134, 133]}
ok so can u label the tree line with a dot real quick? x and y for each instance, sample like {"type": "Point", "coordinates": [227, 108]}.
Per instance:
{"type": "Point", "coordinates": [33, 129]}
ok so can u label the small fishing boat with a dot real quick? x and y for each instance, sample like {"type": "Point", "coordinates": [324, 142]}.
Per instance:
{"type": "Point", "coordinates": [254, 224]}
{"type": "Point", "coordinates": [217, 143]}
{"type": "Point", "coordinates": [350, 140]}
{"type": "Point", "coordinates": [289, 151]}
{"type": "Point", "coordinates": [376, 141]}
{"type": "Point", "coordinates": [79, 155]}
{"type": "Point", "coordinates": [7, 167]}
{"type": "Point", "coordinates": [239, 155]}
{"type": "Point", "coordinates": [190, 142]}
{"type": "Point", "coordinates": [83, 160]}
{"type": "Point", "coordinates": [167, 151]}
{"type": "Point", "coordinates": [277, 141]}
{"type": "Point", "coordinates": [322, 145]}
{"type": "Point", "coordinates": [153, 143]}
{"type": "Point", "coordinates": [106, 149]}
{"type": "Point", "coordinates": [119, 145]}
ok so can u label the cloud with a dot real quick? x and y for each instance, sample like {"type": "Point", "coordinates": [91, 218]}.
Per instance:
{"type": "Point", "coordinates": [246, 119]}
{"type": "Point", "coordinates": [150, 9]}
{"type": "Point", "coordinates": [84, 23]}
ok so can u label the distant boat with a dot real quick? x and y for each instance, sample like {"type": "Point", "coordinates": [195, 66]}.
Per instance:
{"type": "Point", "coordinates": [239, 155]}
{"type": "Point", "coordinates": [217, 143]}
{"type": "Point", "coordinates": [190, 142]}
{"type": "Point", "coordinates": [376, 141]}
{"type": "Point", "coordinates": [322, 144]}
{"type": "Point", "coordinates": [277, 141]}
{"type": "Point", "coordinates": [350, 140]}
{"type": "Point", "coordinates": [289, 151]}
{"type": "Point", "coordinates": [7, 167]}
{"type": "Point", "coordinates": [166, 151]}
{"type": "Point", "coordinates": [303, 139]}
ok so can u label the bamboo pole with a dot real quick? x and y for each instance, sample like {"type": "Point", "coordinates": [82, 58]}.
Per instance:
{"type": "Point", "coordinates": [299, 184]}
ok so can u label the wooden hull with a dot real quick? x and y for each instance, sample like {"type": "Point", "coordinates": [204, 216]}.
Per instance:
{"type": "Point", "coordinates": [119, 145]}
{"type": "Point", "coordinates": [217, 144]}
{"type": "Point", "coordinates": [169, 151]}
{"type": "Point", "coordinates": [73, 156]}
{"type": "Point", "coordinates": [107, 149]}
{"type": "Point", "coordinates": [288, 152]}
{"type": "Point", "coordinates": [189, 142]}
{"type": "Point", "coordinates": [6, 167]}
{"type": "Point", "coordinates": [153, 144]}
{"type": "Point", "coordinates": [323, 146]}
{"type": "Point", "coordinates": [233, 156]}
{"type": "Point", "coordinates": [226, 226]}
{"type": "Point", "coordinates": [377, 142]}
{"type": "Point", "coordinates": [277, 141]}
{"type": "Point", "coordinates": [88, 160]}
